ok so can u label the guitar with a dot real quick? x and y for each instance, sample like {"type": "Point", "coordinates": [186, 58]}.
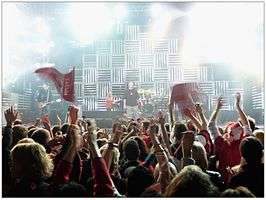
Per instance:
{"type": "Point", "coordinates": [42, 105]}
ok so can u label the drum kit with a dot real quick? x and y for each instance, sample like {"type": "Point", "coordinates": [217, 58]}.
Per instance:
{"type": "Point", "coordinates": [150, 103]}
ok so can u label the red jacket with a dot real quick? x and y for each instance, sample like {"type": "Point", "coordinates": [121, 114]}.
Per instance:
{"type": "Point", "coordinates": [103, 186]}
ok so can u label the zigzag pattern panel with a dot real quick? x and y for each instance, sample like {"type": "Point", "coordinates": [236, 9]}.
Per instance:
{"type": "Point", "coordinates": [175, 74]}
{"type": "Point", "coordinates": [191, 74]}
{"type": "Point", "coordinates": [89, 75]}
{"type": "Point", "coordinates": [160, 60]}
{"type": "Point", "coordinates": [234, 87]}
{"type": "Point", "coordinates": [146, 60]}
{"type": "Point", "coordinates": [104, 75]}
{"type": "Point", "coordinates": [161, 46]}
{"type": "Point", "coordinates": [173, 46]}
{"type": "Point", "coordinates": [90, 90]}
{"type": "Point", "coordinates": [118, 89]}
{"type": "Point", "coordinates": [147, 86]}
{"type": "Point", "coordinates": [78, 90]}
{"type": "Point", "coordinates": [101, 104]}
{"type": "Point", "coordinates": [117, 75]}
{"type": "Point", "coordinates": [174, 60]}
{"type": "Point", "coordinates": [131, 32]}
{"type": "Point", "coordinates": [89, 104]}
{"type": "Point", "coordinates": [103, 46]}
{"type": "Point", "coordinates": [146, 46]}
{"type": "Point", "coordinates": [118, 47]}
{"type": "Point", "coordinates": [103, 60]}
{"type": "Point", "coordinates": [203, 73]}
{"type": "Point", "coordinates": [207, 87]}
{"type": "Point", "coordinates": [118, 61]}
{"type": "Point", "coordinates": [161, 75]}
{"type": "Point", "coordinates": [132, 61]}
{"type": "Point", "coordinates": [90, 49]}
{"type": "Point", "coordinates": [132, 75]}
{"type": "Point", "coordinates": [132, 46]}
{"type": "Point", "coordinates": [89, 60]}
{"type": "Point", "coordinates": [257, 97]}
{"type": "Point", "coordinates": [78, 75]}
{"type": "Point", "coordinates": [221, 87]}
{"type": "Point", "coordinates": [103, 89]}
{"type": "Point", "coordinates": [162, 89]}
{"type": "Point", "coordinates": [146, 74]}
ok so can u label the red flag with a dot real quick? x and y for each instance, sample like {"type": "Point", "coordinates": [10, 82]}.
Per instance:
{"type": "Point", "coordinates": [184, 94]}
{"type": "Point", "coordinates": [64, 83]}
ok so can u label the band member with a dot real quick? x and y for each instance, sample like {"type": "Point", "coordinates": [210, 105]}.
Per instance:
{"type": "Point", "coordinates": [109, 102]}
{"type": "Point", "coordinates": [131, 99]}
{"type": "Point", "coordinates": [42, 97]}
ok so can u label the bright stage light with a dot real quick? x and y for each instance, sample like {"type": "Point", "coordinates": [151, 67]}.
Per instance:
{"type": "Point", "coordinates": [90, 20]}
{"type": "Point", "coordinates": [226, 32]}
{"type": "Point", "coordinates": [120, 12]}
{"type": "Point", "coordinates": [156, 10]}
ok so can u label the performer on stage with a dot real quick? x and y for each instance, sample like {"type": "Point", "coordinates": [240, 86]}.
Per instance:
{"type": "Point", "coordinates": [42, 98]}
{"type": "Point", "coordinates": [131, 99]}
{"type": "Point", "coordinates": [109, 102]}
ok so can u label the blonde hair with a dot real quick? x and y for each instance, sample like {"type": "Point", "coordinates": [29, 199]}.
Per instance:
{"type": "Point", "coordinates": [199, 155]}
{"type": "Point", "coordinates": [32, 159]}
{"type": "Point", "coordinates": [115, 156]}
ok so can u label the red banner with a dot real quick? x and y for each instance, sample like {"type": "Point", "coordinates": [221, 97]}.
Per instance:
{"type": "Point", "coordinates": [64, 83]}
{"type": "Point", "coordinates": [184, 94]}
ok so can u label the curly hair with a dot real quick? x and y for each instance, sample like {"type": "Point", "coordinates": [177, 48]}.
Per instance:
{"type": "Point", "coordinates": [31, 159]}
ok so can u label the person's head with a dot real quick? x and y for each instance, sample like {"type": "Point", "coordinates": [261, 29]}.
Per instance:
{"type": "Point", "coordinates": [31, 131]}
{"type": "Point", "coordinates": [251, 150]}
{"type": "Point", "coordinates": [102, 142]}
{"type": "Point", "coordinates": [191, 182]}
{"type": "Point", "coordinates": [30, 160]}
{"type": "Point", "coordinates": [26, 140]}
{"type": "Point", "coordinates": [18, 122]}
{"type": "Point", "coordinates": [142, 147]}
{"type": "Point", "coordinates": [71, 189]}
{"type": "Point", "coordinates": [259, 134]}
{"type": "Point", "coordinates": [199, 155]}
{"type": "Point", "coordinates": [237, 192]}
{"type": "Point", "coordinates": [191, 126]}
{"type": "Point", "coordinates": [131, 150]}
{"type": "Point", "coordinates": [138, 180]}
{"type": "Point", "coordinates": [19, 132]}
{"type": "Point", "coordinates": [56, 130]}
{"type": "Point", "coordinates": [234, 131]}
{"type": "Point", "coordinates": [130, 85]}
{"type": "Point", "coordinates": [42, 136]}
{"type": "Point", "coordinates": [179, 129]}
{"type": "Point", "coordinates": [64, 128]}
{"type": "Point", "coordinates": [157, 176]}
{"type": "Point", "coordinates": [145, 125]}
{"type": "Point", "coordinates": [115, 157]}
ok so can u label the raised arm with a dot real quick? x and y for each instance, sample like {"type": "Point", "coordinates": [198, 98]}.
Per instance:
{"type": "Point", "coordinates": [195, 121]}
{"type": "Point", "coordinates": [242, 115]}
{"type": "Point", "coordinates": [202, 116]}
{"type": "Point", "coordinates": [187, 143]}
{"type": "Point", "coordinates": [165, 137]}
{"type": "Point", "coordinates": [103, 185]}
{"type": "Point", "coordinates": [212, 122]}
{"type": "Point", "coordinates": [161, 157]}
{"type": "Point", "coordinates": [171, 107]}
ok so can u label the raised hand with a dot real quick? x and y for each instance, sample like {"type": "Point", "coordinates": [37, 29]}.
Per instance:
{"type": "Point", "coordinates": [73, 114]}
{"type": "Point", "coordinates": [11, 116]}
{"type": "Point", "coordinates": [161, 117]}
{"type": "Point", "coordinates": [238, 98]}
{"type": "Point", "coordinates": [187, 143]}
{"type": "Point", "coordinates": [198, 107]}
{"type": "Point", "coordinates": [219, 103]}
{"type": "Point", "coordinates": [187, 112]}
{"type": "Point", "coordinates": [75, 137]}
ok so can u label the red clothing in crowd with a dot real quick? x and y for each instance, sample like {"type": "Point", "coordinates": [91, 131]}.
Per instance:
{"type": "Point", "coordinates": [103, 186]}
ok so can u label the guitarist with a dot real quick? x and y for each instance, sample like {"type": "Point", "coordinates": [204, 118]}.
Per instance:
{"type": "Point", "coordinates": [42, 98]}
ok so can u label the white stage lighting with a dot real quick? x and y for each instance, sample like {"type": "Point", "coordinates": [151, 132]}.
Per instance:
{"type": "Point", "coordinates": [90, 20]}
{"type": "Point", "coordinates": [120, 12]}
{"type": "Point", "coordinates": [156, 10]}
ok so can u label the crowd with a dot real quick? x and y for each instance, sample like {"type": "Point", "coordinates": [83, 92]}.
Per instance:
{"type": "Point", "coordinates": [137, 158]}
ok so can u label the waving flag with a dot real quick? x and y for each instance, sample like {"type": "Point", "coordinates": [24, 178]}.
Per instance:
{"type": "Point", "coordinates": [64, 83]}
